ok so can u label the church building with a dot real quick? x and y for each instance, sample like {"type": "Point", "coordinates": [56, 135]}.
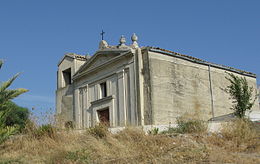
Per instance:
{"type": "Point", "coordinates": [131, 85]}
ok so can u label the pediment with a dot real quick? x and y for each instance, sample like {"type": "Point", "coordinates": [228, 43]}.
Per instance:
{"type": "Point", "coordinates": [96, 61]}
{"type": "Point", "coordinates": [65, 59]}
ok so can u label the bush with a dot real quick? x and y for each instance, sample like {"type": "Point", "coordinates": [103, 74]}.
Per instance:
{"type": "Point", "coordinates": [99, 131]}
{"type": "Point", "coordinates": [6, 132]}
{"type": "Point", "coordinates": [153, 131]}
{"type": "Point", "coordinates": [69, 125]}
{"type": "Point", "coordinates": [38, 132]}
{"type": "Point", "coordinates": [239, 130]}
{"type": "Point", "coordinates": [15, 115]}
{"type": "Point", "coordinates": [188, 126]}
{"type": "Point", "coordinates": [45, 130]}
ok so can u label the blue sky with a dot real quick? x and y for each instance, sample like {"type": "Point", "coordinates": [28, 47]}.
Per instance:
{"type": "Point", "coordinates": [35, 34]}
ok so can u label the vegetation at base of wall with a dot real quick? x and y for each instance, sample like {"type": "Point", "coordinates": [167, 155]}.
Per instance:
{"type": "Point", "coordinates": [153, 131]}
{"type": "Point", "coordinates": [99, 131]}
{"type": "Point", "coordinates": [185, 125]}
{"type": "Point", "coordinates": [241, 94]}
{"type": "Point", "coordinates": [69, 125]}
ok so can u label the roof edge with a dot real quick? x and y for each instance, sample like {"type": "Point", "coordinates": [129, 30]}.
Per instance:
{"type": "Point", "coordinates": [74, 56]}
{"type": "Point", "coordinates": [199, 61]}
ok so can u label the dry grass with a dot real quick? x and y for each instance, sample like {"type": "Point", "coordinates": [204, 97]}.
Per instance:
{"type": "Point", "coordinates": [237, 143]}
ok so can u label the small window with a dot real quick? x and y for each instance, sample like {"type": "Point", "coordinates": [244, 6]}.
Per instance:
{"type": "Point", "coordinates": [103, 87]}
{"type": "Point", "coordinates": [67, 76]}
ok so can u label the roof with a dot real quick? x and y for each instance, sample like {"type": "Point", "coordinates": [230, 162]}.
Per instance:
{"type": "Point", "coordinates": [74, 56]}
{"type": "Point", "coordinates": [200, 61]}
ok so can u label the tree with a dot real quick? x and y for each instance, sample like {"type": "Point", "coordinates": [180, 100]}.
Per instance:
{"type": "Point", "coordinates": [16, 115]}
{"type": "Point", "coordinates": [5, 96]}
{"type": "Point", "coordinates": [241, 94]}
{"type": "Point", "coordinates": [8, 94]}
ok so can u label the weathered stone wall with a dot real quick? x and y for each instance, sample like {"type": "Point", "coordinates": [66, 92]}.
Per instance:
{"type": "Point", "coordinates": [180, 87]}
{"type": "Point", "coordinates": [64, 94]}
{"type": "Point", "coordinates": [148, 110]}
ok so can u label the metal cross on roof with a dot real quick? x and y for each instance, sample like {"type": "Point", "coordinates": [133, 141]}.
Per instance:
{"type": "Point", "coordinates": [102, 35]}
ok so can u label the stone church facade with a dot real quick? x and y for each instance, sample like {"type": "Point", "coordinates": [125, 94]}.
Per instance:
{"type": "Point", "coordinates": [128, 85]}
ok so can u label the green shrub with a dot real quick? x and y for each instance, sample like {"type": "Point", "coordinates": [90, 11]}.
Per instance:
{"type": "Point", "coordinates": [6, 132]}
{"type": "Point", "coordinates": [34, 131]}
{"type": "Point", "coordinates": [45, 130]}
{"type": "Point", "coordinates": [153, 131]}
{"type": "Point", "coordinates": [99, 131]}
{"type": "Point", "coordinates": [15, 115]}
{"type": "Point", "coordinates": [188, 126]}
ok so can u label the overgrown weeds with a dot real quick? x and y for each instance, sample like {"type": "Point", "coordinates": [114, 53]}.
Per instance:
{"type": "Point", "coordinates": [132, 145]}
{"type": "Point", "coordinates": [239, 130]}
{"type": "Point", "coordinates": [153, 131]}
{"type": "Point", "coordinates": [185, 125]}
{"type": "Point", "coordinates": [34, 131]}
{"type": "Point", "coordinates": [238, 135]}
{"type": "Point", "coordinates": [99, 131]}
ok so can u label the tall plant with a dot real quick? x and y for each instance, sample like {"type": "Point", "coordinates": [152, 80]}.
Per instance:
{"type": "Point", "coordinates": [241, 94]}
{"type": "Point", "coordinates": [5, 96]}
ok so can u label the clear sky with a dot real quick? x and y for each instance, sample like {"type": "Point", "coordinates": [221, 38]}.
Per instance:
{"type": "Point", "coordinates": [35, 34]}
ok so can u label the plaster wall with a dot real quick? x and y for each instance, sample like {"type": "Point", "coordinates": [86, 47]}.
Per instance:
{"type": "Point", "coordinates": [180, 87]}
{"type": "Point", "coordinates": [64, 94]}
{"type": "Point", "coordinates": [66, 63]}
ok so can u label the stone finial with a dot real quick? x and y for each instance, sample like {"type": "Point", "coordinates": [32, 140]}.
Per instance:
{"type": "Point", "coordinates": [134, 39]}
{"type": "Point", "coordinates": [103, 44]}
{"type": "Point", "coordinates": [122, 41]}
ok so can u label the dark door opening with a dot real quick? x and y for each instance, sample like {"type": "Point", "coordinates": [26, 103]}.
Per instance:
{"type": "Point", "coordinates": [103, 116]}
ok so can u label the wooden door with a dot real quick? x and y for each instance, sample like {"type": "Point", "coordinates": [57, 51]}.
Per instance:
{"type": "Point", "coordinates": [103, 116]}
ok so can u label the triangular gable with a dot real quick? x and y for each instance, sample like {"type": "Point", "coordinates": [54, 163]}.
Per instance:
{"type": "Point", "coordinates": [95, 61]}
{"type": "Point", "coordinates": [65, 58]}
{"type": "Point", "coordinates": [71, 56]}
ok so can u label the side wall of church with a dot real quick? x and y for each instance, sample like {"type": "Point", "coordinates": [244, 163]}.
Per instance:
{"type": "Point", "coordinates": [182, 88]}
{"type": "Point", "coordinates": [64, 93]}
{"type": "Point", "coordinates": [120, 100]}
{"type": "Point", "coordinates": [64, 112]}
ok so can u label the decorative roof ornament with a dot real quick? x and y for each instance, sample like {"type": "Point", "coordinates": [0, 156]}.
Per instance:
{"type": "Point", "coordinates": [103, 44]}
{"type": "Point", "coordinates": [122, 41]}
{"type": "Point", "coordinates": [134, 39]}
